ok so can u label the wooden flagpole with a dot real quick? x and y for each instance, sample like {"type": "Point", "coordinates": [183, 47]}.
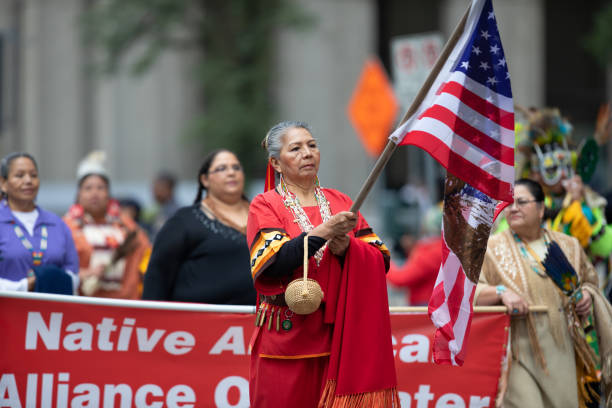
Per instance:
{"type": "Point", "coordinates": [384, 157]}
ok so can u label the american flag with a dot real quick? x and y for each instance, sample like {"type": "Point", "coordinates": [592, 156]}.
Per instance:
{"type": "Point", "coordinates": [466, 122]}
{"type": "Point", "coordinates": [466, 224]}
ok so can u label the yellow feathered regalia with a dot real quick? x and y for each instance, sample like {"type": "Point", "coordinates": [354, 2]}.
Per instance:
{"type": "Point", "coordinates": [545, 153]}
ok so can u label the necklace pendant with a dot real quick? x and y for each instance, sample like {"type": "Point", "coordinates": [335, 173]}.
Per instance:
{"type": "Point", "coordinates": [287, 325]}
{"type": "Point", "coordinates": [37, 258]}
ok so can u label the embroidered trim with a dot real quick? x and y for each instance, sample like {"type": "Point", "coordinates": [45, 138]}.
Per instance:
{"type": "Point", "coordinates": [265, 247]}
{"type": "Point", "coordinates": [112, 216]}
{"type": "Point", "coordinates": [208, 205]}
{"type": "Point", "coordinates": [534, 260]}
{"type": "Point", "coordinates": [216, 226]}
{"type": "Point", "coordinates": [368, 236]}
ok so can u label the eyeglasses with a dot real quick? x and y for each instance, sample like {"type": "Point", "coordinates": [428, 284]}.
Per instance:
{"type": "Point", "coordinates": [223, 168]}
{"type": "Point", "coordinates": [520, 203]}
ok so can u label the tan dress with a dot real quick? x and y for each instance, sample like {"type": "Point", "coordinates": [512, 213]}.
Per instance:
{"type": "Point", "coordinates": [532, 383]}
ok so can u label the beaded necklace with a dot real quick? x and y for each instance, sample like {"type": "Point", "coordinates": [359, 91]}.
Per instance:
{"type": "Point", "coordinates": [36, 255]}
{"type": "Point", "coordinates": [293, 204]}
{"type": "Point", "coordinates": [534, 260]}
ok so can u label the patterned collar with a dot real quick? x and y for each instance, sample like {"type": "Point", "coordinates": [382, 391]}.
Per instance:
{"type": "Point", "coordinates": [112, 216]}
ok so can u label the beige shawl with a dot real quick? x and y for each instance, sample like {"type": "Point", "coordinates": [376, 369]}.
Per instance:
{"type": "Point", "coordinates": [504, 265]}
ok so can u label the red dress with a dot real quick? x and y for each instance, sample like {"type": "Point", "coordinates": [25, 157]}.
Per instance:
{"type": "Point", "coordinates": [290, 353]}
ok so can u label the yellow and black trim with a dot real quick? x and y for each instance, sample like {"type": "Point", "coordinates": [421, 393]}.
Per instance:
{"type": "Point", "coordinates": [368, 236]}
{"type": "Point", "coordinates": [265, 246]}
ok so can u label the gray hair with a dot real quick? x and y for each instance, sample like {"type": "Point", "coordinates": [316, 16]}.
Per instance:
{"type": "Point", "coordinates": [273, 144]}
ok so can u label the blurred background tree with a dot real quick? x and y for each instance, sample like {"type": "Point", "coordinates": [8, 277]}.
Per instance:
{"type": "Point", "coordinates": [599, 41]}
{"type": "Point", "coordinates": [233, 41]}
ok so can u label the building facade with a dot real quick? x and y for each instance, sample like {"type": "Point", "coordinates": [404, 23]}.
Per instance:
{"type": "Point", "coordinates": [55, 109]}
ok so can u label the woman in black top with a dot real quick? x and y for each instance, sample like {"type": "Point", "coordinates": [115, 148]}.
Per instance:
{"type": "Point", "coordinates": [201, 254]}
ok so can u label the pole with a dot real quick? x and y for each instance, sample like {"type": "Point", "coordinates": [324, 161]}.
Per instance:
{"type": "Point", "coordinates": [384, 157]}
{"type": "Point", "coordinates": [139, 304]}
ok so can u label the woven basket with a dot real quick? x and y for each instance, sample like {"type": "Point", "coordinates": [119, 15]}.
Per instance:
{"type": "Point", "coordinates": [303, 296]}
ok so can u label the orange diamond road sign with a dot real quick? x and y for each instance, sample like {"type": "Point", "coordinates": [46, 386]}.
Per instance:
{"type": "Point", "coordinates": [373, 107]}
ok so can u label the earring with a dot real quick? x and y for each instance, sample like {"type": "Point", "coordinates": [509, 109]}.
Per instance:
{"type": "Point", "coordinates": [282, 184]}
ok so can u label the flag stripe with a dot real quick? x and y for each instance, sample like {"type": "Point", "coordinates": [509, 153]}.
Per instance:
{"type": "Point", "coordinates": [430, 128]}
{"type": "Point", "coordinates": [482, 123]}
{"type": "Point", "coordinates": [438, 297]}
{"type": "Point", "coordinates": [503, 102]}
{"type": "Point", "coordinates": [451, 308]}
{"type": "Point", "coordinates": [455, 296]}
{"type": "Point", "coordinates": [436, 301]}
{"type": "Point", "coordinates": [465, 316]}
{"type": "Point", "coordinates": [445, 282]}
{"type": "Point", "coordinates": [472, 135]}
{"type": "Point", "coordinates": [464, 162]}
{"type": "Point", "coordinates": [463, 312]}
{"type": "Point", "coordinates": [485, 108]}
{"type": "Point", "coordinates": [439, 314]}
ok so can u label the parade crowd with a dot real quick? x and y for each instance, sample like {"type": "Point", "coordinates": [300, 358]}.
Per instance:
{"type": "Point", "coordinates": [551, 248]}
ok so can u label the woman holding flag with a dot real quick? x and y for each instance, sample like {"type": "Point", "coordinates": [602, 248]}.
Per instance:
{"type": "Point", "coordinates": [341, 352]}
{"type": "Point", "coordinates": [529, 265]}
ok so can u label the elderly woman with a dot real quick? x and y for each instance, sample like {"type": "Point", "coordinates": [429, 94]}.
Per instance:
{"type": "Point", "coordinates": [110, 245]}
{"type": "Point", "coordinates": [549, 355]}
{"type": "Point", "coordinates": [36, 248]}
{"type": "Point", "coordinates": [201, 253]}
{"type": "Point", "coordinates": [341, 353]}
